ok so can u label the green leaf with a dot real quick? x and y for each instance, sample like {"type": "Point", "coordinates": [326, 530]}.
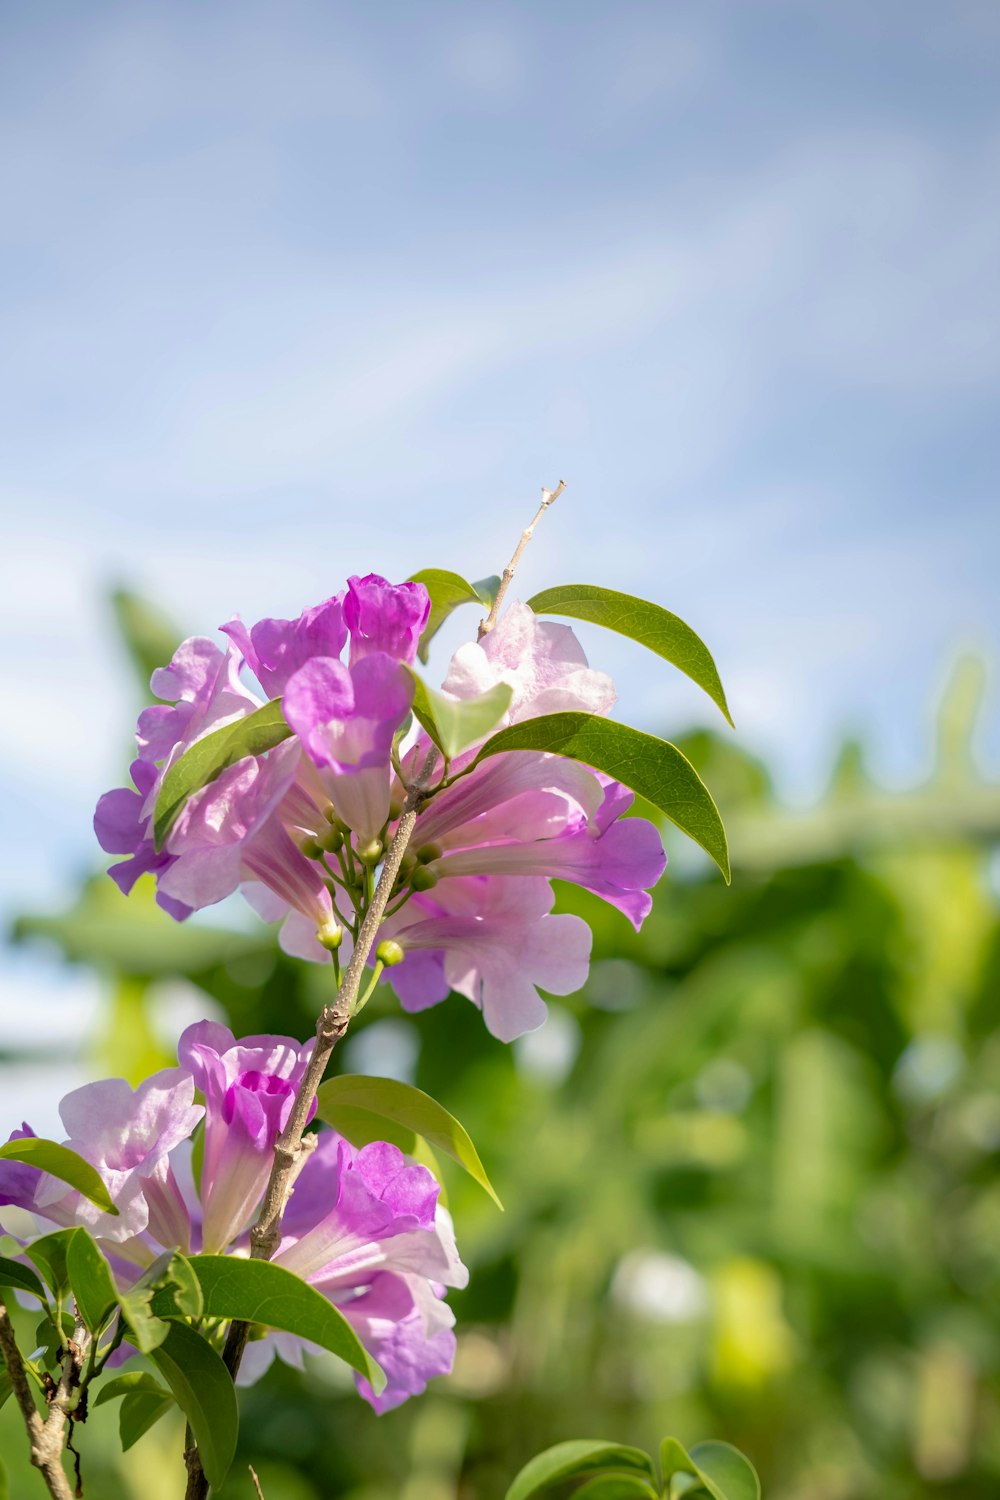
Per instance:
{"type": "Point", "coordinates": [575, 1459]}
{"type": "Point", "coordinates": [61, 1162]}
{"type": "Point", "coordinates": [651, 626]}
{"type": "Point", "coordinates": [456, 723]}
{"type": "Point", "coordinates": [255, 1291]}
{"type": "Point", "coordinates": [147, 1330]}
{"type": "Point", "coordinates": [129, 1384]}
{"type": "Point", "coordinates": [615, 1487]}
{"type": "Point", "coordinates": [488, 588]}
{"type": "Point", "coordinates": [447, 591]}
{"type": "Point", "coordinates": [204, 1391]}
{"type": "Point", "coordinates": [176, 1289]}
{"type": "Point", "coordinates": [725, 1472]}
{"type": "Point", "coordinates": [139, 1413]}
{"type": "Point", "coordinates": [720, 1468]}
{"type": "Point", "coordinates": [5, 1390]}
{"type": "Point", "coordinates": [49, 1255]}
{"type": "Point", "coordinates": [23, 1277]}
{"type": "Point", "coordinates": [405, 1106]}
{"type": "Point", "coordinates": [4, 1485]}
{"type": "Point", "coordinates": [91, 1281]}
{"type": "Point", "coordinates": [654, 768]}
{"type": "Point", "coordinates": [209, 757]}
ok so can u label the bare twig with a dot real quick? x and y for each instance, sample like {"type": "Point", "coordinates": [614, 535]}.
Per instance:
{"type": "Point", "coordinates": [549, 497]}
{"type": "Point", "coordinates": [256, 1482]}
{"type": "Point", "coordinates": [46, 1437]}
{"type": "Point", "coordinates": [292, 1148]}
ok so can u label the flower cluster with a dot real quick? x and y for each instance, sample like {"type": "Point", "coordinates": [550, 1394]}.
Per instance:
{"type": "Point", "coordinates": [302, 829]}
{"type": "Point", "coordinates": [364, 1227]}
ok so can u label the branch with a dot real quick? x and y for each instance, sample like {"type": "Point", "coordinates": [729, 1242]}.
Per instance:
{"type": "Point", "coordinates": [549, 497]}
{"type": "Point", "coordinates": [292, 1149]}
{"type": "Point", "coordinates": [45, 1437]}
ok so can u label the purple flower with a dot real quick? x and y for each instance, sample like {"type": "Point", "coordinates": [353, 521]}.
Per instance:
{"type": "Point", "coordinates": [231, 832]}
{"type": "Point", "coordinates": [249, 1088]}
{"type": "Point", "coordinates": [128, 1135]}
{"type": "Point", "coordinates": [346, 718]}
{"type": "Point", "coordinates": [385, 617]}
{"type": "Point", "coordinates": [493, 939]}
{"type": "Point", "coordinates": [366, 1229]}
{"type": "Point", "coordinates": [544, 664]}
{"type": "Point", "coordinates": [615, 857]}
{"type": "Point", "coordinates": [275, 649]}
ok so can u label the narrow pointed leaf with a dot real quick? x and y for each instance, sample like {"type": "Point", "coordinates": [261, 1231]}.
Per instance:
{"type": "Point", "coordinates": [13, 1274]}
{"type": "Point", "coordinates": [60, 1161]}
{"type": "Point", "coordinates": [575, 1460]}
{"type": "Point", "coordinates": [202, 1388]}
{"type": "Point", "coordinates": [455, 723]}
{"type": "Point", "coordinates": [447, 591]}
{"type": "Point", "coordinates": [407, 1107]}
{"type": "Point", "coordinates": [654, 768]}
{"type": "Point", "coordinates": [255, 1291]}
{"type": "Point", "coordinates": [649, 624]}
{"type": "Point", "coordinates": [209, 757]}
{"type": "Point", "coordinates": [91, 1281]}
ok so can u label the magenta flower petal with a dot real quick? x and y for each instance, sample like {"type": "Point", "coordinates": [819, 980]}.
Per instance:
{"type": "Point", "coordinates": [275, 649]}
{"type": "Point", "coordinates": [385, 617]}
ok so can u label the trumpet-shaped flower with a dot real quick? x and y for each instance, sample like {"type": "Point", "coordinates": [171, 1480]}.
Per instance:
{"type": "Point", "coordinates": [493, 939]}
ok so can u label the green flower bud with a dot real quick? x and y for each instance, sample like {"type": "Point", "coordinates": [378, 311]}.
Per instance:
{"type": "Point", "coordinates": [371, 853]}
{"type": "Point", "coordinates": [311, 848]}
{"type": "Point", "coordinates": [395, 808]}
{"type": "Point", "coordinates": [389, 953]}
{"type": "Point", "coordinates": [331, 936]}
{"type": "Point", "coordinates": [423, 879]}
{"type": "Point", "coordinates": [332, 840]}
{"type": "Point", "coordinates": [428, 853]}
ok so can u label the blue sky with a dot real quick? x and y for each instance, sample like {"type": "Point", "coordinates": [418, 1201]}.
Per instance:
{"type": "Point", "coordinates": [295, 290]}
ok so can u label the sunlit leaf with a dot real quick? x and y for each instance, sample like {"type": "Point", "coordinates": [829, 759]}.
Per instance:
{"type": "Point", "coordinates": [575, 1459]}
{"type": "Point", "coordinates": [649, 624]}
{"type": "Point", "coordinates": [405, 1106]}
{"type": "Point", "coordinates": [60, 1161]}
{"type": "Point", "coordinates": [654, 768]}
{"type": "Point", "coordinates": [255, 1291]}
{"type": "Point", "coordinates": [456, 723]}
{"type": "Point", "coordinates": [207, 758]}
{"type": "Point", "coordinates": [204, 1391]}
{"type": "Point", "coordinates": [447, 591]}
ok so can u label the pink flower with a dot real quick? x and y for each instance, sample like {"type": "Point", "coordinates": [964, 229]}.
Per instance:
{"type": "Point", "coordinates": [494, 940]}
{"type": "Point", "coordinates": [544, 664]}
{"type": "Point", "coordinates": [249, 1088]}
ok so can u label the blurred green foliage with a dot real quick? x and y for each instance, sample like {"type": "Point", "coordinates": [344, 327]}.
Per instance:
{"type": "Point", "coordinates": [749, 1173]}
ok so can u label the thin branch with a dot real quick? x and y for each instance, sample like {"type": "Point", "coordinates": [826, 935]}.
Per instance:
{"type": "Point", "coordinates": [549, 497]}
{"type": "Point", "coordinates": [292, 1148]}
{"type": "Point", "coordinates": [45, 1437]}
{"type": "Point", "coordinates": [256, 1482]}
